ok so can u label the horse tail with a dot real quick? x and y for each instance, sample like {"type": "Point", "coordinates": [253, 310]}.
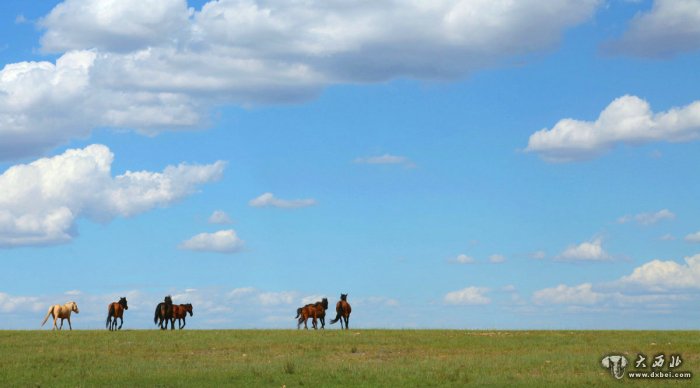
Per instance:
{"type": "Point", "coordinates": [339, 313]}
{"type": "Point", "coordinates": [157, 314]}
{"type": "Point", "coordinates": [110, 312]}
{"type": "Point", "coordinates": [298, 312]}
{"type": "Point", "coordinates": [48, 314]}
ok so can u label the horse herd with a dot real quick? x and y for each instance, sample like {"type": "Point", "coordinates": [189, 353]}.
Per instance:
{"type": "Point", "coordinates": [166, 312]}
{"type": "Point", "coordinates": [317, 311]}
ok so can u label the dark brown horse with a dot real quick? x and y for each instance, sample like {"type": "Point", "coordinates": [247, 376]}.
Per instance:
{"type": "Point", "coordinates": [314, 310]}
{"type": "Point", "coordinates": [116, 310]}
{"type": "Point", "coordinates": [164, 314]}
{"type": "Point", "coordinates": [180, 312]}
{"type": "Point", "coordinates": [343, 310]}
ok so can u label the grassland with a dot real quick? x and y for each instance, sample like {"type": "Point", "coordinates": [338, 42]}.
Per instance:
{"type": "Point", "coordinates": [386, 358]}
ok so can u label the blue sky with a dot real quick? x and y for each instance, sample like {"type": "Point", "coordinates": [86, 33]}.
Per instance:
{"type": "Point", "coordinates": [457, 164]}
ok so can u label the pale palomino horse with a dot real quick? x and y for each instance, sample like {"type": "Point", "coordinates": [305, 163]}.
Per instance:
{"type": "Point", "coordinates": [57, 311]}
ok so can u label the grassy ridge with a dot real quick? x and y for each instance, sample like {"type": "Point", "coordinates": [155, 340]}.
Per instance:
{"type": "Point", "coordinates": [332, 358]}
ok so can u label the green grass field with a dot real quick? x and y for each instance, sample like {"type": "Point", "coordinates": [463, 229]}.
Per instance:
{"type": "Point", "coordinates": [275, 358]}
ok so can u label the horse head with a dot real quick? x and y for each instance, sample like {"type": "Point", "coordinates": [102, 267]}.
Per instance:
{"type": "Point", "coordinates": [344, 297]}
{"type": "Point", "coordinates": [188, 306]}
{"type": "Point", "coordinates": [122, 301]}
{"type": "Point", "coordinates": [74, 307]}
{"type": "Point", "coordinates": [324, 303]}
{"type": "Point", "coordinates": [168, 300]}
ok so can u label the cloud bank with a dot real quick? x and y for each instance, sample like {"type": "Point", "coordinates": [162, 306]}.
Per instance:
{"type": "Point", "coordinates": [223, 241]}
{"type": "Point", "coordinates": [670, 28]}
{"type": "Point", "coordinates": [154, 65]}
{"type": "Point", "coordinates": [627, 120]}
{"type": "Point", "coordinates": [269, 200]}
{"type": "Point", "coordinates": [41, 201]}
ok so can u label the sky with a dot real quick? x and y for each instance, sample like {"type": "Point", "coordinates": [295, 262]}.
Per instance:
{"type": "Point", "coordinates": [448, 164]}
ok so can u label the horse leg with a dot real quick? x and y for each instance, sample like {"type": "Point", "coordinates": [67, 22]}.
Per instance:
{"type": "Point", "coordinates": [69, 325]}
{"type": "Point", "coordinates": [120, 324]}
{"type": "Point", "coordinates": [55, 319]}
{"type": "Point", "coordinates": [184, 322]}
{"type": "Point", "coordinates": [347, 322]}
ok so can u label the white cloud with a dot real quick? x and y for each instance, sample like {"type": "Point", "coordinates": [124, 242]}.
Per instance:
{"type": "Point", "coordinates": [114, 25]}
{"type": "Point", "coordinates": [563, 294]}
{"type": "Point", "coordinates": [240, 292]}
{"type": "Point", "coordinates": [627, 120]}
{"type": "Point", "coordinates": [538, 255]}
{"type": "Point", "coordinates": [496, 258]}
{"type": "Point", "coordinates": [663, 275]}
{"type": "Point", "coordinates": [693, 237]}
{"type": "Point", "coordinates": [43, 105]}
{"type": "Point", "coordinates": [385, 159]}
{"type": "Point", "coordinates": [223, 241]}
{"type": "Point", "coordinates": [668, 29]}
{"type": "Point", "coordinates": [468, 296]}
{"type": "Point", "coordinates": [277, 298]}
{"type": "Point", "coordinates": [463, 259]}
{"type": "Point", "coordinates": [648, 218]}
{"type": "Point", "coordinates": [220, 217]}
{"type": "Point", "coordinates": [41, 201]}
{"type": "Point", "coordinates": [269, 200]}
{"type": "Point", "coordinates": [375, 301]}
{"type": "Point", "coordinates": [11, 303]}
{"type": "Point", "coordinates": [154, 65]}
{"type": "Point", "coordinates": [586, 251]}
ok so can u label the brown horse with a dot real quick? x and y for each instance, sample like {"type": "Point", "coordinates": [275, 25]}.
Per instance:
{"type": "Point", "coordinates": [180, 312]}
{"type": "Point", "coordinates": [63, 312]}
{"type": "Point", "coordinates": [164, 314]}
{"type": "Point", "coordinates": [316, 311]}
{"type": "Point", "coordinates": [343, 310]}
{"type": "Point", "coordinates": [116, 310]}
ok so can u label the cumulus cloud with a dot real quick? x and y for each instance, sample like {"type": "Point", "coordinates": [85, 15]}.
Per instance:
{"type": "Point", "coordinates": [563, 294]}
{"type": "Point", "coordinates": [663, 275]}
{"type": "Point", "coordinates": [41, 201]}
{"type": "Point", "coordinates": [269, 200]}
{"type": "Point", "coordinates": [586, 251]}
{"type": "Point", "coordinates": [153, 65]}
{"type": "Point", "coordinates": [385, 159]}
{"type": "Point", "coordinates": [113, 25]}
{"type": "Point", "coordinates": [277, 298]}
{"type": "Point", "coordinates": [223, 241]}
{"type": "Point", "coordinates": [44, 104]}
{"type": "Point", "coordinates": [12, 303]}
{"type": "Point", "coordinates": [468, 296]}
{"type": "Point", "coordinates": [671, 27]}
{"type": "Point", "coordinates": [586, 295]}
{"type": "Point", "coordinates": [219, 217]}
{"type": "Point", "coordinates": [496, 258]}
{"type": "Point", "coordinates": [693, 237]}
{"type": "Point", "coordinates": [538, 255]}
{"type": "Point", "coordinates": [627, 120]}
{"type": "Point", "coordinates": [648, 218]}
{"type": "Point", "coordinates": [463, 259]}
